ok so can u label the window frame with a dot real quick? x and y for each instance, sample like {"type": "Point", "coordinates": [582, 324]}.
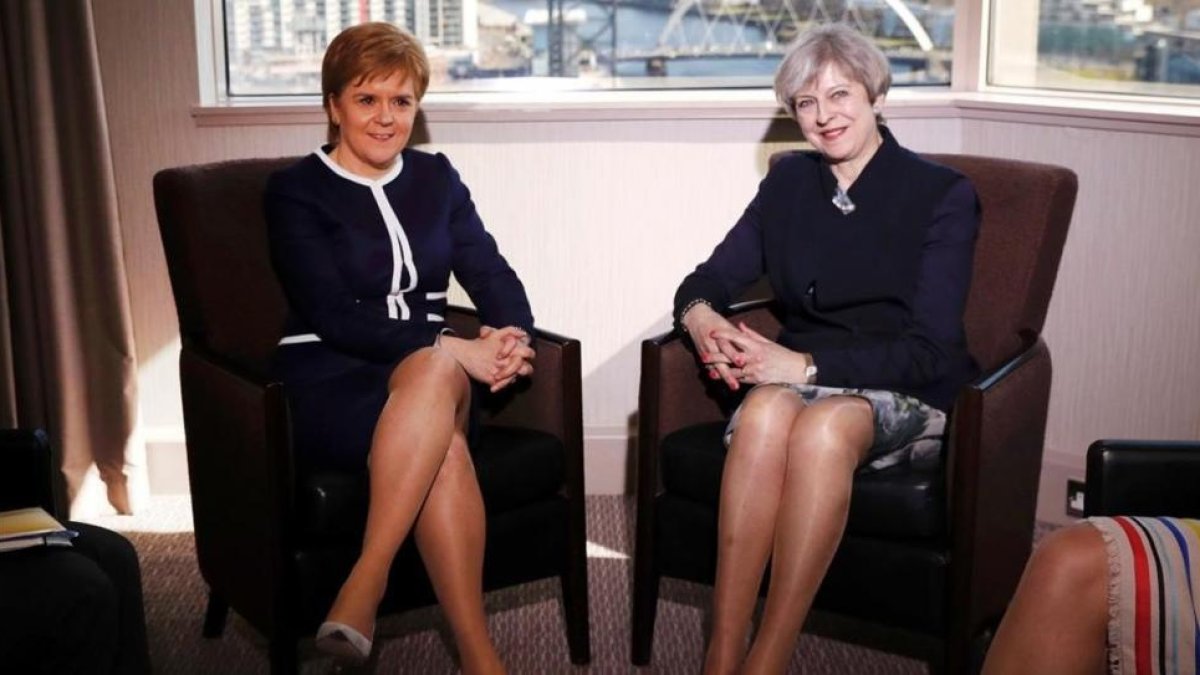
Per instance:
{"type": "Point", "coordinates": [1081, 98]}
{"type": "Point", "coordinates": [210, 52]}
{"type": "Point", "coordinates": [969, 96]}
{"type": "Point", "coordinates": [211, 56]}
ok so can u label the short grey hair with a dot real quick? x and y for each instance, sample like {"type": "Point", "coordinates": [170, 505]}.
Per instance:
{"type": "Point", "coordinates": [836, 43]}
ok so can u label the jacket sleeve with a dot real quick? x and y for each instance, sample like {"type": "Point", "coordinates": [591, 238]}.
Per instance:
{"type": "Point", "coordinates": [316, 290]}
{"type": "Point", "coordinates": [735, 264]}
{"type": "Point", "coordinates": [484, 274]}
{"type": "Point", "coordinates": [923, 353]}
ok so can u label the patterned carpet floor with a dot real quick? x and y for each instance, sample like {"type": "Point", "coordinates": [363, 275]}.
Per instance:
{"type": "Point", "coordinates": [526, 622]}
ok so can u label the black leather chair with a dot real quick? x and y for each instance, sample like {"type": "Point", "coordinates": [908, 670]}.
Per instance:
{"type": "Point", "coordinates": [934, 550]}
{"type": "Point", "coordinates": [275, 545]}
{"type": "Point", "coordinates": [1143, 478]}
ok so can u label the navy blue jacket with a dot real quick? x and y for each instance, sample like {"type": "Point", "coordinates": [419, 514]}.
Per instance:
{"type": "Point", "coordinates": [366, 264]}
{"type": "Point", "coordinates": [876, 296]}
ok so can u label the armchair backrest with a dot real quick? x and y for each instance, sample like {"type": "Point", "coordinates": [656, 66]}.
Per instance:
{"type": "Point", "coordinates": [214, 233]}
{"type": "Point", "coordinates": [1143, 478]}
{"type": "Point", "coordinates": [1026, 209]}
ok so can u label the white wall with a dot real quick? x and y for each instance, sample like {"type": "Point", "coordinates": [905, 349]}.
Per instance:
{"type": "Point", "coordinates": [602, 215]}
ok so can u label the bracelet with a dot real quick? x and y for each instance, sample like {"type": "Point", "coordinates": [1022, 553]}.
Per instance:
{"type": "Point", "coordinates": [688, 307]}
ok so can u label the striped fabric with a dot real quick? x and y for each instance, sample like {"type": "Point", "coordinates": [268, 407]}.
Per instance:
{"type": "Point", "coordinates": [1154, 594]}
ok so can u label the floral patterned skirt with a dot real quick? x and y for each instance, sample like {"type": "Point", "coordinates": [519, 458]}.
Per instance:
{"type": "Point", "coordinates": [906, 430]}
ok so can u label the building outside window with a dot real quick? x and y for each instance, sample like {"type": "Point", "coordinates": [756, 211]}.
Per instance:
{"type": "Point", "coordinates": [1147, 47]}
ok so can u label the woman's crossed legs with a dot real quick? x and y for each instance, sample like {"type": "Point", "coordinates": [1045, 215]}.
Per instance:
{"type": "Point", "coordinates": [421, 473]}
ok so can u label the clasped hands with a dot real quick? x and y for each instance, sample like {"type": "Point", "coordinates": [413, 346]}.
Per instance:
{"type": "Point", "coordinates": [496, 358]}
{"type": "Point", "coordinates": [738, 354]}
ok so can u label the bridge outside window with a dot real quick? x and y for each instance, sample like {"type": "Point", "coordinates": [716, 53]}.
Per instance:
{"type": "Point", "coordinates": [274, 47]}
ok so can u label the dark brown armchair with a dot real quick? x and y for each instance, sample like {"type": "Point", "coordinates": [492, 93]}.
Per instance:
{"type": "Point", "coordinates": [274, 544]}
{"type": "Point", "coordinates": [934, 550]}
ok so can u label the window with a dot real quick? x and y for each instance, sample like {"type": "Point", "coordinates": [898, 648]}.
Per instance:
{"type": "Point", "coordinates": [274, 47]}
{"type": "Point", "coordinates": [1148, 47]}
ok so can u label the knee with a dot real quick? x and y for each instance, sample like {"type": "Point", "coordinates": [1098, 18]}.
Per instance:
{"type": "Point", "coordinates": [87, 600]}
{"type": "Point", "coordinates": [96, 597]}
{"type": "Point", "coordinates": [838, 427]}
{"type": "Point", "coordinates": [427, 367]}
{"type": "Point", "coordinates": [768, 413]}
{"type": "Point", "coordinates": [1069, 565]}
{"type": "Point", "coordinates": [112, 552]}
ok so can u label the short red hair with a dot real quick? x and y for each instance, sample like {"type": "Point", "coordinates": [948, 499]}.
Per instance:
{"type": "Point", "coordinates": [368, 51]}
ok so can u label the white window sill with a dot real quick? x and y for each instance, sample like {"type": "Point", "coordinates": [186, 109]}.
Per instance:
{"type": "Point", "coordinates": [1092, 111]}
{"type": "Point", "coordinates": [726, 104]}
{"type": "Point", "coordinates": [1089, 111]}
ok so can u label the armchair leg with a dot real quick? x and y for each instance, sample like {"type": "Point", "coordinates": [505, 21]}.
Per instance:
{"type": "Point", "coordinates": [283, 655]}
{"type": "Point", "coordinates": [645, 609]}
{"type": "Point", "coordinates": [575, 607]}
{"type": "Point", "coordinates": [979, 649]}
{"type": "Point", "coordinates": [957, 657]}
{"type": "Point", "coordinates": [214, 616]}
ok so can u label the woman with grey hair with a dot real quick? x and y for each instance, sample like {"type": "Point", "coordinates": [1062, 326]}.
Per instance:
{"type": "Point", "coordinates": [868, 249]}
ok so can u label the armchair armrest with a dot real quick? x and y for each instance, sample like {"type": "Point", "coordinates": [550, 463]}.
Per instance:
{"type": "Point", "coordinates": [26, 477]}
{"type": "Point", "coordinates": [1143, 478]}
{"type": "Point", "coordinates": [240, 472]}
{"type": "Point", "coordinates": [994, 460]}
{"type": "Point", "coordinates": [551, 400]}
{"type": "Point", "coordinates": [674, 392]}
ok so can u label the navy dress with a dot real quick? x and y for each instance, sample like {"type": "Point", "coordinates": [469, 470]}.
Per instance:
{"type": "Point", "coordinates": [365, 265]}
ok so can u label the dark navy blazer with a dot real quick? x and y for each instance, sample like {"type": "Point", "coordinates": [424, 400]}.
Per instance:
{"type": "Point", "coordinates": [366, 264]}
{"type": "Point", "coordinates": [876, 296]}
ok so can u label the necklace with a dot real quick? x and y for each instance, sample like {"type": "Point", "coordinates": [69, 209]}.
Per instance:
{"type": "Point", "coordinates": [842, 201]}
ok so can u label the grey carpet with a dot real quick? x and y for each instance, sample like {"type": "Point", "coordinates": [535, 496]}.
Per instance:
{"type": "Point", "coordinates": [526, 622]}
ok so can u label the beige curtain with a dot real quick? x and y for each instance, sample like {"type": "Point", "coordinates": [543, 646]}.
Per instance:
{"type": "Point", "coordinates": [66, 338]}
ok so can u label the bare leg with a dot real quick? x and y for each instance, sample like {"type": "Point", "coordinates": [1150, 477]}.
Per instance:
{"type": "Point", "coordinates": [751, 485]}
{"type": "Point", "coordinates": [1057, 623]}
{"type": "Point", "coordinates": [450, 535]}
{"type": "Point", "coordinates": [827, 442]}
{"type": "Point", "coordinates": [427, 402]}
